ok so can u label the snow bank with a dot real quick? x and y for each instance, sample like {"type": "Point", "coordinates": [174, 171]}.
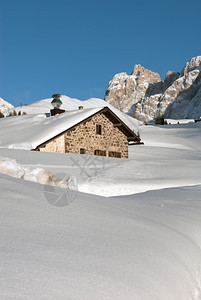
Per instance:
{"type": "Point", "coordinates": [170, 157]}
{"type": "Point", "coordinates": [138, 247]}
{"type": "Point", "coordinates": [5, 106]}
{"type": "Point", "coordinates": [12, 168]}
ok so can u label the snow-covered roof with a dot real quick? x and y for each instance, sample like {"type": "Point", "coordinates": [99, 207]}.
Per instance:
{"type": "Point", "coordinates": [30, 131]}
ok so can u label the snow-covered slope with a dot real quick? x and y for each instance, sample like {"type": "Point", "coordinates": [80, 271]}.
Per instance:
{"type": "Point", "coordinates": [44, 106]}
{"type": "Point", "coordinates": [140, 246]}
{"type": "Point", "coordinates": [10, 167]}
{"type": "Point", "coordinates": [5, 106]}
{"type": "Point", "coordinates": [137, 247]}
{"type": "Point", "coordinates": [170, 157]}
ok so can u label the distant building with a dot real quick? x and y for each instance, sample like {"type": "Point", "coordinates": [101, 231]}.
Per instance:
{"type": "Point", "coordinates": [97, 131]}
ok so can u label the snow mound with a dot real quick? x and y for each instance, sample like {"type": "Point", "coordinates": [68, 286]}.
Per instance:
{"type": "Point", "coordinates": [138, 247]}
{"type": "Point", "coordinates": [12, 168]}
{"type": "Point", "coordinates": [5, 106]}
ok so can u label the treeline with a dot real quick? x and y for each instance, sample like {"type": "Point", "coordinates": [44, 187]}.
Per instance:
{"type": "Point", "coordinates": [13, 113]}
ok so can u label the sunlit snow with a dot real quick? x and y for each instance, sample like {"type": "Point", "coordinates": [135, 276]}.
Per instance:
{"type": "Point", "coordinates": [140, 242]}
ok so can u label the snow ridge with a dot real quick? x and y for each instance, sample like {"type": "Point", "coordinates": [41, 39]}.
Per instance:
{"type": "Point", "coordinates": [5, 106]}
{"type": "Point", "coordinates": [12, 168]}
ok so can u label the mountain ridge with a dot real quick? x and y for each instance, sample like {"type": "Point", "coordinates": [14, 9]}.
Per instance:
{"type": "Point", "coordinates": [177, 97]}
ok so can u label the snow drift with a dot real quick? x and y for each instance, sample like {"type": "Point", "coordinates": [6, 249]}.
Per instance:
{"type": "Point", "coordinates": [138, 247]}
{"type": "Point", "coordinates": [12, 168]}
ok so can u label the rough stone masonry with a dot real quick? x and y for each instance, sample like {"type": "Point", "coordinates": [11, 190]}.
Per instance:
{"type": "Point", "coordinates": [84, 139]}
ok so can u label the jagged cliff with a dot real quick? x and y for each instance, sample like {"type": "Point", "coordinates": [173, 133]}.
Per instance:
{"type": "Point", "coordinates": [144, 95]}
{"type": "Point", "coordinates": [125, 90]}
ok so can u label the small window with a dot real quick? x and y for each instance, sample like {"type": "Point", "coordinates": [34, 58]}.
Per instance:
{"type": "Point", "coordinates": [82, 151]}
{"type": "Point", "coordinates": [114, 154]}
{"type": "Point", "coordinates": [100, 152]}
{"type": "Point", "coordinates": [98, 129]}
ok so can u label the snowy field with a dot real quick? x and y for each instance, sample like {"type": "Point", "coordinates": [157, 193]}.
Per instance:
{"type": "Point", "coordinates": [171, 157]}
{"type": "Point", "coordinates": [132, 231]}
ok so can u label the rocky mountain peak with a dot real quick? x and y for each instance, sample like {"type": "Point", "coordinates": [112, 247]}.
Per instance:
{"type": "Point", "coordinates": [170, 77]}
{"type": "Point", "coordinates": [125, 90]}
{"type": "Point", "coordinates": [144, 95]}
{"type": "Point", "coordinates": [193, 64]}
{"type": "Point", "coordinates": [141, 72]}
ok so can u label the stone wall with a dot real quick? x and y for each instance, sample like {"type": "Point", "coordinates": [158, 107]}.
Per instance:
{"type": "Point", "coordinates": [56, 145]}
{"type": "Point", "coordinates": [84, 139]}
{"type": "Point", "coordinates": [84, 136]}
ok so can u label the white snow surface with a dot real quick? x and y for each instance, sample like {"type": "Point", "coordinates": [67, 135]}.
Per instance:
{"type": "Point", "coordinates": [142, 244]}
{"type": "Point", "coordinates": [150, 166]}
{"type": "Point", "coordinates": [44, 106]}
{"type": "Point", "coordinates": [5, 106]}
{"type": "Point", "coordinates": [12, 168]}
{"type": "Point", "coordinates": [29, 131]}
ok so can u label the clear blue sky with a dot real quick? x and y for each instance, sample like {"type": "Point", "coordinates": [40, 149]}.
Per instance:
{"type": "Point", "coordinates": [74, 47]}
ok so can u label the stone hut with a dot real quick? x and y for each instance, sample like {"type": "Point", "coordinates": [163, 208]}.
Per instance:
{"type": "Point", "coordinates": [97, 131]}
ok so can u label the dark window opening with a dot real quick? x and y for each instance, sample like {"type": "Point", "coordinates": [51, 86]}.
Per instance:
{"type": "Point", "coordinates": [98, 129]}
{"type": "Point", "coordinates": [100, 152]}
{"type": "Point", "coordinates": [82, 151]}
{"type": "Point", "coordinates": [114, 154]}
